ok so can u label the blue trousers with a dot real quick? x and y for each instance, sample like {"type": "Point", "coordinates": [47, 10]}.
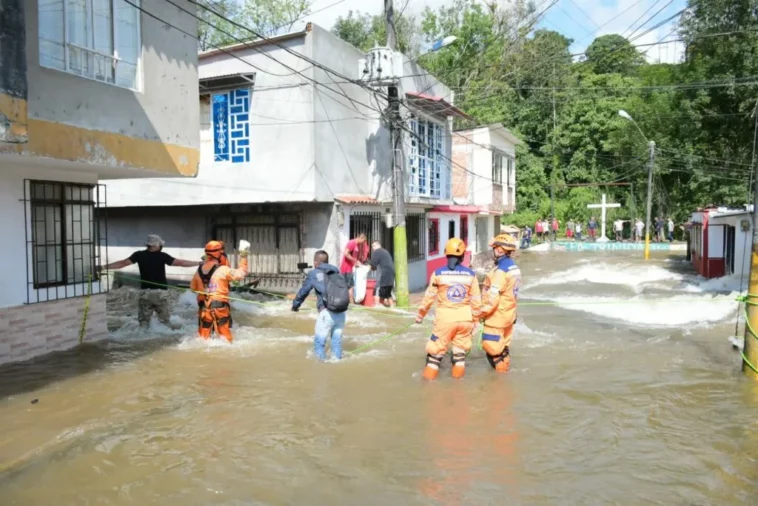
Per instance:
{"type": "Point", "coordinates": [329, 325]}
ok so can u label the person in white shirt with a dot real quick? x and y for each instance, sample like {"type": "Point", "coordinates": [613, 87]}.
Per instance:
{"type": "Point", "coordinates": [618, 227]}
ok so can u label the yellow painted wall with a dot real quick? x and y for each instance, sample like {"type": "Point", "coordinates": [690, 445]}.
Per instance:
{"type": "Point", "coordinates": [13, 112]}
{"type": "Point", "coordinates": [66, 142]}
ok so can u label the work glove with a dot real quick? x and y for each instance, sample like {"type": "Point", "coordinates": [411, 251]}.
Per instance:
{"type": "Point", "coordinates": [244, 248]}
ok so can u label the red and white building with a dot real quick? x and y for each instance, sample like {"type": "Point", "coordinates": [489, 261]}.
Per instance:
{"type": "Point", "coordinates": [720, 241]}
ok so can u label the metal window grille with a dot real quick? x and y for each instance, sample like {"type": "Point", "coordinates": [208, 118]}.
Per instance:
{"type": "Point", "coordinates": [275, 240]}
{"type": "Point", "coordinates": [415, 224]}
{"type": "Point", "coordinates": [434, 236]}
{"type": "Point", "coordinates": [66, 238]}
{"type": "Point", "coordinates": [375, 227]}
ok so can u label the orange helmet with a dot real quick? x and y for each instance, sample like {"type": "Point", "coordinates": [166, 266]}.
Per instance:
{"type": "Point", "coordinates": [455, 247]}
{"type": "Point", "coordinates": [505, 241]}
{"type": "Point", "coordinates": [214, 249]}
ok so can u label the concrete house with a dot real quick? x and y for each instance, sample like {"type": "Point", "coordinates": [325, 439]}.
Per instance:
{"type": "Point", "coordinates": [293, 159]}
{"type": "Point", "coordinates": [720, 241]}
{"type": "Point", "coordinates": [86, 94]}
{"type": "Point", "coordinates": [484, 185]}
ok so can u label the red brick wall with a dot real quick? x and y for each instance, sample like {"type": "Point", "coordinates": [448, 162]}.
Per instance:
{"type": "Point", "coordinates": [36, 329]}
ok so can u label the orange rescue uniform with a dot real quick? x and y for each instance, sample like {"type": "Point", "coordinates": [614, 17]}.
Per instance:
{"type": "Point", "coordinates": [459, 304]}
{"type": "Point", "coordinates": [215, 314]}
{"type": "Point", "coordinates": [499, 295]}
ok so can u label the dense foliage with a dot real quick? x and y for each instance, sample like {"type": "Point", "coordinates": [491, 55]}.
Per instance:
{"type": "Point", "coordinates": [565, 107]}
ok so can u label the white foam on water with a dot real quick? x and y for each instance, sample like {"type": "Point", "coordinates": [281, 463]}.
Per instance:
{"type": "Point", "coordinates": [188, 299]}
{"type": "Point", "coordinates": [630, 275]}
{"type": "Point", "coordinates": [732, 284]}
{"type": "Point", "coordinates": [528, 338]}
{"type": "Point", "coordinates": [246, 340]}
{"type": "Point", "coordinates": [689, 311]}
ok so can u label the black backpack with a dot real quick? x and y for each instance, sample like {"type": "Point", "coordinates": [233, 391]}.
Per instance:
{"type": "Point", "coordinates": [336, 296]}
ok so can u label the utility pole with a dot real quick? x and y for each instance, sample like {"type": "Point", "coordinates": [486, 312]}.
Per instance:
{"type": "Point", "coordinates": [398, 174]}
{"type": "Point", "coordinates": [750, 346]}
{"type": "Point", "coordinates": [650, 166]}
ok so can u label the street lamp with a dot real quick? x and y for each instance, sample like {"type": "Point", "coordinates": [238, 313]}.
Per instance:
{"type": "Point", "coordinates": [436, 46]}
{"type": "Point", "coordinates": [651, 163]}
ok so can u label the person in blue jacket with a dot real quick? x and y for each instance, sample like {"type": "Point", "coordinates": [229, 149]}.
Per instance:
{"type": "Point", "coordinates": [328, 323]}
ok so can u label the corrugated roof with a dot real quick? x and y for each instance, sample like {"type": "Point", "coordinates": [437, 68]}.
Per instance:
{"type": "Point", "coordinates": [255, 43]}
{"type": "Point", "coordinates": [356, 199]}
{"type": "Point", "coordinates": [435, 105]}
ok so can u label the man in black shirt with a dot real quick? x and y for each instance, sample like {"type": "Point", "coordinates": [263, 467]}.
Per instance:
{"type": "Point", "coordinates": [152, 264]}
{"type": "Point", "coordinates": [382, 259]}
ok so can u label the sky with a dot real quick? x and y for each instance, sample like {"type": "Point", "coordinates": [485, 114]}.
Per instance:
{"type": "Point", "coordinates": [580, 20]}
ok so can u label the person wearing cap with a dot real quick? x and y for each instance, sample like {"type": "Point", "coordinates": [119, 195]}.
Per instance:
{"type": "Point", "coordinates": [499, 297]}
{"type": "Point", "coordinates": [152, 264]}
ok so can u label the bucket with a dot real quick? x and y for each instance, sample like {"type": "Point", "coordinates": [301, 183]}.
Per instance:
{"type": "Point", "coordinates": [368, 300]}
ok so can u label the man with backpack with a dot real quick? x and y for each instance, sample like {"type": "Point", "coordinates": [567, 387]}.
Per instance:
{"type": "Point", "coordinates": [332, 300]}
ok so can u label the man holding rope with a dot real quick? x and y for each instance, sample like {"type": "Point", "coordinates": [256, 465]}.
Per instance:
{"type": "Point", "coordinates": [152, 264]}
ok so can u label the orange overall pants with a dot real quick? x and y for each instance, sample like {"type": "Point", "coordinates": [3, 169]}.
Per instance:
{"type": "Point", "coordinates": [456, 292]}
{"type": "Point", "coordinates": [215, 313]}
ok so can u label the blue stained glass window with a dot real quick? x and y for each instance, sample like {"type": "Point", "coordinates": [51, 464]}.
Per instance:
{"type": "Point", "coordinates": [231, 126]}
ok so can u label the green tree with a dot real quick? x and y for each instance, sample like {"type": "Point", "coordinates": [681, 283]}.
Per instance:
{"type": "Point", "coordinates": [242, 20]}
{"type": "Point", "coordinates": [365, 31]}
{"type": "Point", "coordinates": [613, 54]}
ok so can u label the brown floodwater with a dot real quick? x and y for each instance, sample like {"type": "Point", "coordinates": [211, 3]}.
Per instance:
{"type": "Point", "coordinates": [625, 391]}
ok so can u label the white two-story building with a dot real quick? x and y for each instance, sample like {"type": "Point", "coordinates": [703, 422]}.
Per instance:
{"type": "Point", "coordinates": [294, 159]}
{"type": "Point", "coordinates": [484, 185]}
{"type": "Point", "coordinates": [89, 91]}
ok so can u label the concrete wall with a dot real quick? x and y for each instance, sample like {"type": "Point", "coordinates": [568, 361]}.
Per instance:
{"type": "Point", "coordinates": [13, 78]}
{"type": "Point", "coordinates": [164, 110]}
{"type": "Point", "coordinates": [14, 224]}
{"type": "Point", "coordinates": [281, 167]}
{"type": "Point", "coordinates": [105, 128]}
{"type": "Point", "coordinates": [309, 142]}
{"type": "Point", "coordinates": [28, 330]}
{"type": "Point", "coordinates": [348, 151]}
{"type": "Point", "coordinates": [185, 230]}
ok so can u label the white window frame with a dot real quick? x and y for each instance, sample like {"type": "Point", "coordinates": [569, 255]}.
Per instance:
{"type": "Point", "coordinates": [498, 160]}
{"type": "Point", "coordinates": [436, 165]}
{"type": "Point", "coordinates": [92, 54]}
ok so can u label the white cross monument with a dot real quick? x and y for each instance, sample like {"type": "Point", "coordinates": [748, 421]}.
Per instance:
{"type": "Point", "coordinates": [603, 206]}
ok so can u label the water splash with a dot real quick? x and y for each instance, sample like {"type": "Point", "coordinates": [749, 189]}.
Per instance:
{"type": "Point", "coordinates": [666, 312]}
{"type": "Point", "coordinates": [629, 275]}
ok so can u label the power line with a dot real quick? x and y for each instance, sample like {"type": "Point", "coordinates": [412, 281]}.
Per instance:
{"type": "Point", "coordinates": [652, 6]}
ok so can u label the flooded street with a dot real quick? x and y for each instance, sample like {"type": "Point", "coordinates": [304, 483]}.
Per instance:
{"type": "Point", "coordinates": [625, 392]}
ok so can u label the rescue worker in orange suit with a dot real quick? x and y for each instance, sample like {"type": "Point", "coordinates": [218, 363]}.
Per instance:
{"type": "Point", "coordinates": [456, 290]}
{"type": "Point", "coordinates": [198, 284]}
{"type": "Point", "coordinates": [499, 295]}
{"type": "Point", "coordinates": [212, 280]}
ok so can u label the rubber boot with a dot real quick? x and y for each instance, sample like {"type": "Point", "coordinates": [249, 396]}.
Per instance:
{"type": "Point", "coordinates": [430, 373]}
{"type": "Point", "coordinates": [503, 366]}
{"type": "Point", "coordinates": [459, 371]}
